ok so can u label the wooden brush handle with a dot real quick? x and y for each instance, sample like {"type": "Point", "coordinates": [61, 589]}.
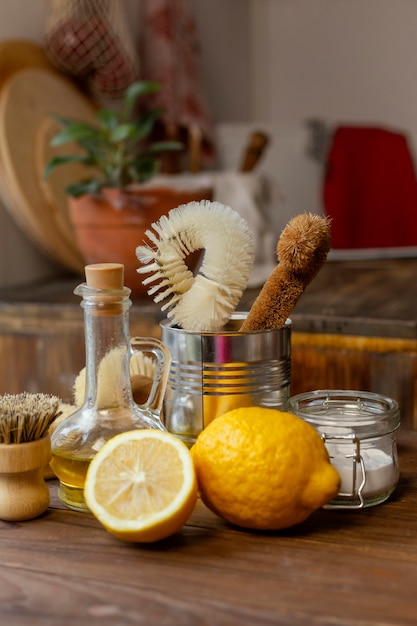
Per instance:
{"type": "Point", "coordinates": [254, 150]}
{"type": "Point", "coordinates": [275, 301]}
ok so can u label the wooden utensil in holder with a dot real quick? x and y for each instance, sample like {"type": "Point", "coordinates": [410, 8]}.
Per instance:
{"type": "Point", "coordinates": [254, 150]}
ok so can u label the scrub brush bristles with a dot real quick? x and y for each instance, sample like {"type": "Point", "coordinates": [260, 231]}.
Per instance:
{"type": "Point", "coordinates": [204, 302]}
{"type": "Point", "coordinates": [302, 250]}
{"type": "Point", "coordinates": [26, 416]}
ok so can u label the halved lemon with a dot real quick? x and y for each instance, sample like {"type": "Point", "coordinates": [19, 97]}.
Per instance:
{"type": "Point", "coordinates": [142, 485]}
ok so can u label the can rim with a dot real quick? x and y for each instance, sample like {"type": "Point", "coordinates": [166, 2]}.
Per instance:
{"type": "Point", "coordinates": [237, 316]}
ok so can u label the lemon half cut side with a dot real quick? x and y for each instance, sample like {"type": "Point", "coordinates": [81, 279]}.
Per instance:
{"type": "Point", "coordinates": [142, 485]}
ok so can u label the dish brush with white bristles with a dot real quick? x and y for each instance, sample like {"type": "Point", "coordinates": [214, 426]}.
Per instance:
{"type": "Point", "coordinates": [204, 302]}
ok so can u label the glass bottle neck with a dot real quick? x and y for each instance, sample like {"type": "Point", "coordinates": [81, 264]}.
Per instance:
{"type": "Point", "coordinates": [107, 345]}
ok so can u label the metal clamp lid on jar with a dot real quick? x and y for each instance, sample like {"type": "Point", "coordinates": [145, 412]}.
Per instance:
{"type": "Point", "coordinates": [351, 417]}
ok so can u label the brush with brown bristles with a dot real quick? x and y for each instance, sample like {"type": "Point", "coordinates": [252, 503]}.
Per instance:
{"type": "Point", "coordinates": [26, 416]}
{"type": "Point", "coordinates": [301, 250]}
{"type": "Point", "coordinates": [25, 453]}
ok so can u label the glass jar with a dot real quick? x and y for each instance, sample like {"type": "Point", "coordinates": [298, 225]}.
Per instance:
{"type": "Point", "coordinates": [359, 430]}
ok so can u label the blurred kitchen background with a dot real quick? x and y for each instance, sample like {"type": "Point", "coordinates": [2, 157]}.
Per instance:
{"type": "Point", "coordinates": [295, 69]}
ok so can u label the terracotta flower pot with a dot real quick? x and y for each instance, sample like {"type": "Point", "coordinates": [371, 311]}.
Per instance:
{"type": "Point", "coordinates": [109, 227]}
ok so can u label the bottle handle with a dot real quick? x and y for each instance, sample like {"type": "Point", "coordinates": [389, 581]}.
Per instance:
{"type": "Point", "coordinates": [163, 359]}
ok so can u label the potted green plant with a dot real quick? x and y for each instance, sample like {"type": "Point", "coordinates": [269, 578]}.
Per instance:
{"type": "Point", "coordinates": [115, 203]}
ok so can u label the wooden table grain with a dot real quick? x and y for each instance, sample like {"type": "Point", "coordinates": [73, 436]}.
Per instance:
{"type": "Point", "coordinates": [339, 568]}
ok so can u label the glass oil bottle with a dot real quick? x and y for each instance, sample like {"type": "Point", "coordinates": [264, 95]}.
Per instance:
{"type": "Point", "coordinates": [108, 407]}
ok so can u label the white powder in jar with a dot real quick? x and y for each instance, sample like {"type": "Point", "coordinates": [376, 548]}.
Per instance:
{"type": "Point", "coordinates": [380, 471]}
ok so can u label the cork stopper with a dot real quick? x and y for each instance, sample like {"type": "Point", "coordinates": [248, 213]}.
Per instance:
{"type": "Point", "coordinates": [105, 276]}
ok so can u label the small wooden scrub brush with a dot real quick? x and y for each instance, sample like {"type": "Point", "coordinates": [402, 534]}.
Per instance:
{"type": "Point", "coordinates": [204, 302]}
{"type": "Point", "coordinates": [302, 250]}
{"type": "Point", "coordinates": [25, 452]}
{"type": "Point", "coordinates": [142, 371]}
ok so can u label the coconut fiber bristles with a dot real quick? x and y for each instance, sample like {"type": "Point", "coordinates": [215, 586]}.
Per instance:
{"type": "Point", "coordinates": [302, 250]}
{"type": "Point", "coordinates": [26, 416]}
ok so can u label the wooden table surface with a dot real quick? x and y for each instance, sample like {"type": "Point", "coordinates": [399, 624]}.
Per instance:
{"type": "Point", "coordinates": [373, 297]}
{"type": "Point", "coordinates": [370, 297]}
{"type": "Point", "coordinates": [339, 568]}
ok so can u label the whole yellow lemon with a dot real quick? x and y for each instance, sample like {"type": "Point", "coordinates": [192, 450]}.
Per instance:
{"type": "Point", "coordinates": [263, 469]}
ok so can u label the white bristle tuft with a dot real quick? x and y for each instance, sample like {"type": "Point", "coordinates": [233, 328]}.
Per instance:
{"type": "Point", "coordinates": [204, 302]}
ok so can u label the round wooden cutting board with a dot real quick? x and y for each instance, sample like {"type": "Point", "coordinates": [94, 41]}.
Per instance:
{"type": "Point", "coordinates": [27, 101]}
{"type": "Point", "coordinates": [19, 54]}
{"type": "Point", "coordinates": [53, 188]}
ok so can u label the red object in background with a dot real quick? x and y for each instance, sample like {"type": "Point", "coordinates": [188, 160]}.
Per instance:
{"type": "Point", "coordinates": [370, 189]}
{"type": "Point", "coordinates": [90, 40]}
{"type": "Point", "coordinates": [170, 56]}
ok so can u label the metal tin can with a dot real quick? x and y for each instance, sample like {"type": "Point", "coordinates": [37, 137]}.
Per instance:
{"type": "Point", "coordinates": [214, 372]}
